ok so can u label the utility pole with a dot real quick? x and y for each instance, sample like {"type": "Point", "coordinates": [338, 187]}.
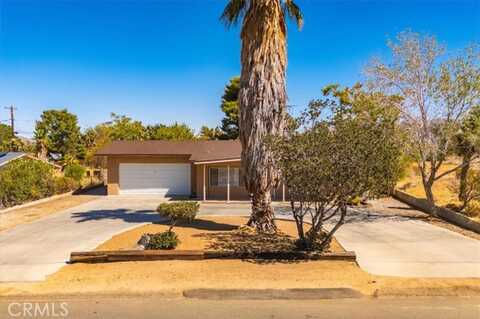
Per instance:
{"type": "Point", "coordinates": [12, 118]}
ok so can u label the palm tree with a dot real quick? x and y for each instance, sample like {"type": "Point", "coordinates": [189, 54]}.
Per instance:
{"type": "Point", "coordinates": [262, 97]}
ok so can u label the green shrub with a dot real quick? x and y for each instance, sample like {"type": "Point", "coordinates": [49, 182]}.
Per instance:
{"type": "Point", "coordinates": [74, 171]}
{"type": "Point", "coordinates": [62, 184]}
{"type": "Point", "coordinates": [25, 180]}
{"type": "Point", "coordinates": [164, 240]}
{"type": "Point", "coordinates": [179, 211]}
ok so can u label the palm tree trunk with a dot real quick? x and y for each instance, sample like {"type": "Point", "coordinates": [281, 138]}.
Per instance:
{"type": "Point", "coordinates": [262, 100]}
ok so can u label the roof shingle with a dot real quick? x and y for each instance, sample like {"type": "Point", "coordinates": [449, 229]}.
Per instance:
{"type": "Point", "coordinates": [196, 150]}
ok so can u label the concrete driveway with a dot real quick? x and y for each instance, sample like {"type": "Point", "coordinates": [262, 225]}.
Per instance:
{"type": "Point", "coordinates": [385, 244]}
{"type": "Point", "coordinates": [29, 252]}
{"type": "Point", "coordinates": [393, 243]}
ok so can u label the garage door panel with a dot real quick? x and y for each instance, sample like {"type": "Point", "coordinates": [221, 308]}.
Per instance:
{"type": "Point", "coordinates": [159, 178]}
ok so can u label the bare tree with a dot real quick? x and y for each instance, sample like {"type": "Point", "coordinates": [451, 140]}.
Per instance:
{"type": "Point", "coordinates": [437, 94]}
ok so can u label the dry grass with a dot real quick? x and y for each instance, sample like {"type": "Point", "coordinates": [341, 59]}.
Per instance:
{"type": "Point", "coordinates": [28, 214]}
{"type": "Point", "coordinates": [444, 189]}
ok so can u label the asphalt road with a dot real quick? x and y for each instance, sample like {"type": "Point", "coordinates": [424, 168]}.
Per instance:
{"type": "Point", "coordinates": [159, 308]}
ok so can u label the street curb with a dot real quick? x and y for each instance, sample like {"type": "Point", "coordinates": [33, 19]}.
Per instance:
{"type": "Point", "coordinates": [167, 294]}
{"type": "Point", "coordinates": [269, 294]}
{"type": "Point", "coordinates": [455, 291]}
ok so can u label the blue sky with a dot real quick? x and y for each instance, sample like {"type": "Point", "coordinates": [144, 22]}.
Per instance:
{"type": "Point", "coordinates": [162, 61]}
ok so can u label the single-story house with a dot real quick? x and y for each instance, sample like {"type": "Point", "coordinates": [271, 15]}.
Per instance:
{"type": "Point", "coordinates": [204, 170]}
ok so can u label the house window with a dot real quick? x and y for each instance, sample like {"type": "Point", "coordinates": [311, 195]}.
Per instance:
{"type": "Point", "coordinates": [219, 176]}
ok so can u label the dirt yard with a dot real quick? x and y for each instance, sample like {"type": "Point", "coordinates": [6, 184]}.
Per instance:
{"type": "Point", "coordinates": [215, 233]}
{"type": "Point", "coordinates": [172, 277]}
{"type": "Point", "coordinates": [28, 214]}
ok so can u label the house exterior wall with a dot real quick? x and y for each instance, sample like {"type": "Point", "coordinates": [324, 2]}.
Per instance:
{"type": "Point", "coordinates": [218, 192]}
{"type": "Point", "coordinates": [197, 175]}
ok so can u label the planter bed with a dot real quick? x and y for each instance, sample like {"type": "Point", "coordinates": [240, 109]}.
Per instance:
{"type": "Point", "coordinates": [149, 255]}
{"type": "Point", "coordinates": [211, 237]}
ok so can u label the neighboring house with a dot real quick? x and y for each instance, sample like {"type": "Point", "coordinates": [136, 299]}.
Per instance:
{"type": "Point", "coordinates": [7, 157]}
{"type": "Point", "coordinates": [206, 170]}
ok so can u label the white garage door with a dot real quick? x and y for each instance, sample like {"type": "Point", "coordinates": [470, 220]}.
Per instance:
{"type": "Point", "coordinates": [161, 179]}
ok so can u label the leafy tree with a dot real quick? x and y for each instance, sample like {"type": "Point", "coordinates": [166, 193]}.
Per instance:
{"type": "Point", "coordinates": [6, 137]}
{"type": "Point", "coordinates": [74, 171]}
{"type": "Point", "coordinates": [5, 133]}
{"type": "Point", "coordinates": [229, 106]}
{"type": "Point", "coordinates": [57, 134]}
{"type": "Point", "coordinates": [342, 147]}
{"type": "Point", "coordinates": [175, 131]}
{"type": "Point", "coordinates": [436, 97]}
{"type": "Point", "coordinates": [471, 191]}
{"type": "Point", "coordinates": [94, 139]}
{"type": "Point", "coordinates": [207, 133]}
{"type": "Point", "coordinates": [468, 147]}
{"type": "Point", "coordinates": [262, 96]}
{"type": "Point", "coordinates": [123, 128]}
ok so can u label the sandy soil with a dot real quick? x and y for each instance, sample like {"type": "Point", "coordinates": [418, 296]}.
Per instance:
{"type": "Point", "coordinates": [213, 233]}
{"type": "Point", "coordinates": [29, 214]}
{"type": "Point", "coordinates": [176, 276]}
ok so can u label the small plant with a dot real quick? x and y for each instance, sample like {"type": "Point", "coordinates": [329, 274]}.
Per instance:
{"type": "Point", "coordinates": [63, 184]}
{"type": "Point", "coordinates": [179, 211]}
{"type": "Point", "coordinates": [74, 171]}
{"type": "Point", "coordinates": [165, 240]}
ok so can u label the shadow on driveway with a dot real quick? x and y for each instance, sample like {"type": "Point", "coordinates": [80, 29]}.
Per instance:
{"type": "Point", "coordinates": [128, 216]}
{"type": "Point", "coordinates": [365, 215]}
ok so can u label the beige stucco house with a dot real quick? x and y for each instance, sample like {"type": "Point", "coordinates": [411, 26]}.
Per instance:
{"type": "Point", "coordinates": [204, 170]}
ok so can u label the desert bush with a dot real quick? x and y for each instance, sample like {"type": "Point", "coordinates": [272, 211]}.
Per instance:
{"type": "Point", "coordinates": [25, 180]}
{"type": "Point", "coordinates": [74, 171]}
{"type": "Point", "coordinates": [342, 148]}
{"type": "Point", "coordinates": [471, 189]}
{"type": "Point", "coordinates": [165, 240]}
{"type": "Point", "coordinates": [179, 211]}
{"type": "Point", "coordinates": [63, 184]}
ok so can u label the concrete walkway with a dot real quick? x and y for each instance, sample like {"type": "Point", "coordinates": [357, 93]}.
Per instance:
{"type": "Point", "coordinates": [385, 244]}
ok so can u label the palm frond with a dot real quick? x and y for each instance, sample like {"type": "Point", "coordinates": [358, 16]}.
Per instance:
{"type": "Point", "coordinates": [292, 10]}
{"type": "Point", "coordinates": [234, 10]}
